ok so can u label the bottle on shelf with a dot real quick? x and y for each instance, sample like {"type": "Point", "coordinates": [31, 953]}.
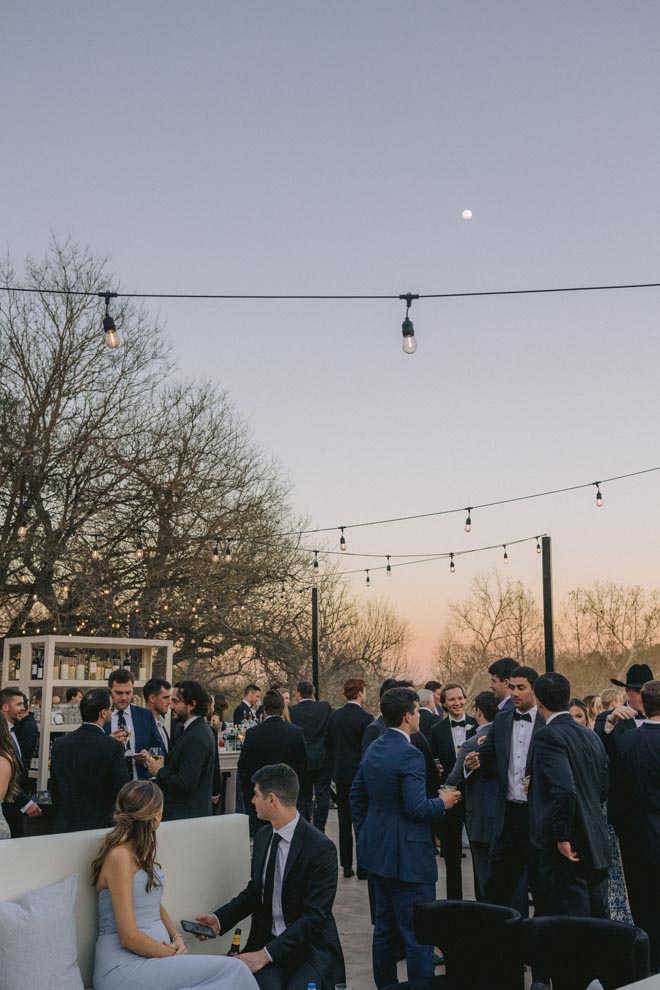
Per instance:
{"type": "Point", "coordinates": [34, 672]}
{"type": "Point", "coordinates": [107, 669]}
{"type": "Point", "coordinates": [235, 946]}
{"type": "Point", "coordinates": [81, 669]}
{"type": "Point", "coordinates": [93, 668]}
{"type": "Point", "coordinates": [56, 670]}
{"type": "Point", "coordinates": [64, 670]}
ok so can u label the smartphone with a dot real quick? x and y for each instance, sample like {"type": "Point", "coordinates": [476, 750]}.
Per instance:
{"type": "Point", "coordinates": [195, 929]}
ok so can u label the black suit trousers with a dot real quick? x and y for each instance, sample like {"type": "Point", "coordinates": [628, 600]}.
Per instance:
{"type": "Point", "coordinates": [345, 821]}
{"type": "Point", "coordinates": [314, 797]}
{"type": "Point", "coordinates": [449, 830]}
{"type": "Point", "coordinates": [275, 978]}
{"type": "Point", "coordinates": [570, 889]}
{"type": "Point", "coordinates": [510, 853]}
{"type": "Point", "coordinates": [643, 883]}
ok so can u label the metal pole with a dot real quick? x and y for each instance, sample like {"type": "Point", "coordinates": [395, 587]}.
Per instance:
{"type": "Point", "coordinates": [548, 630]}
{"type": "Point", "coordinates": [315, 640]}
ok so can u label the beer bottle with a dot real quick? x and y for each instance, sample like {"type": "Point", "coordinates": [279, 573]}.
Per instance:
{"type": "Point", "coordinates": [235, 947]}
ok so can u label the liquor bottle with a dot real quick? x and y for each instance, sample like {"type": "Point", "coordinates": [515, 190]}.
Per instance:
{"type": "Point", "coordinates": [34, 673]}
{"type": "Point", "coordinates": [80, 670]}
{"type": "Point", "coordinates": [235, 946]}
{"type": "Point", "coordinates": [41, 662]}
{"type": "Point", "coordinates": [92, 668]}
{"type": "Point", "coordinates": [107, 669]}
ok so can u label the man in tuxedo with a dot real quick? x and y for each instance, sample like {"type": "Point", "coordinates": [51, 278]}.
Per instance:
{"type": "Point", "coordinates": [569, 784]}
{"type": "Point", "coordinates": [293, 937]}
{"type": "Point", "coordinates": [506, 754]}
{"type": "Point", "coordinates": [479, 792]}
{"type": "Point", "coordinates": [88, 769]}
{"type": "Point", "coordinates": [157, 694]}
{"type": "Point", "coordinates": [272, 741]}
{"type": "Point", "coordinates": [392, 815]}
{"type": "Point", "coordinates": [447, 738]}
{"type": "Point", "coordinates": [312, 717]}
{"type": "Point", "coordinates": [346, 728]}
{"type": "Point", "coordinates": [427, 713]}
{"type": "Point", "coordinates": [185, 775]}
{"type": "Point", "coordinates": [247, 709]}
{"type": "Point", "coordinates": [639, 762]}
{"type": "Point", "coordinates": [500, 672]}
{"type": "Point", "coordinates": [132, 725]}
{"type": "Point", "coordinates": [11, 708]}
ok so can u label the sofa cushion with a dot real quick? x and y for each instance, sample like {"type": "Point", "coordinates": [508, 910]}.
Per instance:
{"type": "Point", "coordinates": [38, 939]}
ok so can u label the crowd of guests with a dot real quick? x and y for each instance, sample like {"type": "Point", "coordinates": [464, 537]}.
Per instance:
{"type": "Point", "coordinates": [557, 796]}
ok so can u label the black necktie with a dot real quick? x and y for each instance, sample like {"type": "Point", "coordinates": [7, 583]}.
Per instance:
{"type": "Point", "coordinates": [269, 883]}
{"type": "Point", "coordinates": [458, 725]}
{"type": "Point", "coordinates": [517, 717]}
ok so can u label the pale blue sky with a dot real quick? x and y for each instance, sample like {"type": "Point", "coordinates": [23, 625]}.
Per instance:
{"type": "Point", "coordinates": [331, 147]}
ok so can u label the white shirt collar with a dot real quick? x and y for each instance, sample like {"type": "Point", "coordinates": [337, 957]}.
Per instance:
{"type": "Point", "coordinates": [647, 721]}
{"type": "Point", "coordinates": [353, 702]}
{"type": "Point", "coordinates": [401, 732]}
{"type": "Point", "coordinates": [190, 721]}
{"type": "Point", "coordinates": [554, 715]}
{"type": "Point", "coordinates": [303, 699]}
{"type": "Point", "coordinates": [502, 703]}
{"type": "Point", "coordinates": [286, 832]}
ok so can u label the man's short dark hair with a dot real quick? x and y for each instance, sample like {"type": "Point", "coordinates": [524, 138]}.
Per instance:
{"type": "Point", "coordinates": [503, 668]}
{"type": "Point", "coordinates": [352, 688]}
{"type": "Point", "coordinates": [553, 690]}
{"type": "Point", "coordinates": [8, 693]}
{"type": "Point", "coordinates": [278, 779]}
{"type": "Point", "coordinates": [432, 686]}
{"type": "Point", "coordinates": [651, 698]}
{"type": "Point", "coordinates": [395, 703]}
{"type": "Point", "coordinates": [71, 692]}
{"type": "Point", "coordinates": [528, 673]}
{"type": "Point", "coordinates": [192, 691]}
{"type": "Point", "coordinates": [251, 687]}
{"type": "Point", "coordinates": [486, 702]}
{"type": "Point", "coordinates": [305, 689]}
{"type": "Point", "coordinates": [273, 703]}
{"type": "Point", "coordinates": [122, 675]}
{"type": "Point", "coordinates": [93, 702]}
{"type": "Point", "coordinates": [155, 686]}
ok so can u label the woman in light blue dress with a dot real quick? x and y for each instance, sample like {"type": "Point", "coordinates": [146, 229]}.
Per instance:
{"type": "Point", "coordinates": [138, 947]}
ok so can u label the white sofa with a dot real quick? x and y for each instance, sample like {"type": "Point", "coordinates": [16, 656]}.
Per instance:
{"type": "Point", "coordinates": [206, 861]}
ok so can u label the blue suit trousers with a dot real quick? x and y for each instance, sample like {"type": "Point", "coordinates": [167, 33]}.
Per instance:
{"type": "Point", "coordinates": [393, 924]}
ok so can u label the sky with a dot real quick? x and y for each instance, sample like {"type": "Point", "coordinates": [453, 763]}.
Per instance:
{"type": "Point", "coordinates": [330, 148]}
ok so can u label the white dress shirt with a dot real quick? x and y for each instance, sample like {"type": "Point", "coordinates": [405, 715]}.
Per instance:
{"type": "Point", "coordinates": [162, 731]}
{"type": "Point", "coordinates": [458, 733]}
{"type": "Point", "coordinates": [114, 725]}
{"type": "Point", "coordinates": [283, 849]}
{"type": "Point", "coordinates": [521, 737]}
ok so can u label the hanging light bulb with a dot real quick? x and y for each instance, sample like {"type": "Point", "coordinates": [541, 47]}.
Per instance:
{"type": "Point", "coordinates": [215, 556]}
{"type": "Point", "coordinates": [599, 497]}
{"type": "Point", "coordinates": [282, 592]}
{"type": "Point", "coordinates": [452, 565]}
{"type": "Point", "coordinates": [66, 587]}
{"type": "Point", "coordinates": [388, 569]}
{"type": "Point", "coordinates": [342, 539]}
{"type": "Point", "coordinates": [112, 338]}
{"type": "Point", "coordinates": [22, 525]}
{"type": "Point", "coordinates": [315, 565]}
{"type": "Point", "coordinates": [468, 521]}
{"type": "Point", "coordinates": [24, 578]}
{"type": "Point", "coordinates": [116, 602]}
{"type": "Point", "coordinates": [139, 549]}
{"type": "Point", "coordinates": [506, 556]}
{"type": "Point", "coordinates": [95, 550]}
{"type": "Point", "coordinates": [407, 329]}
{"type": "Point", "coordinates": [166, 607]}
{"type": "Point", "coordinates": [106, 591]}
{"type": "Point", "coordinates": [368, 581]}
{"type": "Point", "coordinates": [198, 600]}
{"type": "Point", "coordinates": [538, 545]}
{"type": "Point", "coordinates": [228, 552]}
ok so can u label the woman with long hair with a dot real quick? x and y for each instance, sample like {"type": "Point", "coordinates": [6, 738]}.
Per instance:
{"type": "Point", "coordinates": [138, 945]}
{"type": "Point", "coordinates": [9, 771]}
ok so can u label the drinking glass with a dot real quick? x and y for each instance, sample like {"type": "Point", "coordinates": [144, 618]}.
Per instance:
{"type": "Point", "coordinates": [155, 752]}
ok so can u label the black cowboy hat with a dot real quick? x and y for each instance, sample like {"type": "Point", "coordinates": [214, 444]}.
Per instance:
{"type": "Point", "coordinates": [637, 676]}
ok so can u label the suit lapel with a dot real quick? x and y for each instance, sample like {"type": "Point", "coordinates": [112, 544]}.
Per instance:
{"type": "Point", "coordinates": [508, 732]}
{"type": "Point", "coordinates": [538, 724]}
{"type": "Point", "coordinates": [260, 860]}
{"type": "Point", "coordinates": [297, 843]}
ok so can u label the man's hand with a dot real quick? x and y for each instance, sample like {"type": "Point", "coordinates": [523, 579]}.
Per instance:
{"type": "Point", "coordinates": [566, 849]}
{"type": "Point", "coordinates": [254, 960]}
{"type": "Point", "coordinates": [154, 763]}
{"type": "Point", "coordinates": [449, 798]}
{"type": "Point", "coordinates": [33, 810]}
{"type": "Point", "coordinates": [472, 761]}
{"type": "Point", "coordinates": [141, 757]}
{"type": "Point", "coordinates": [620, 714]}
{"type": "Point", "coordinates": [211, 921]}
{"type": "Point", "coordinates": [121, 735]}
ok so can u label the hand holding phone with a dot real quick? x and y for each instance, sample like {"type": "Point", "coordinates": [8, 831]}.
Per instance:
{"type": "Point", "coordinates": [196, 929]}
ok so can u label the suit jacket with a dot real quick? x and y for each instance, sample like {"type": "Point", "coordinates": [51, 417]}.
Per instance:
{"type": "Point", "coordinates": [442, 743]}
{"type": "Point", "coordinates": [308, 890]}
{"type": "Point", "coordinates": [27, 733]}
{"type": "Point", "coordinates": [419, 741]}
{"type": "Point", "coordinates": [241, 711]}
{"type": "Point", "coordinates": [313, 717]}
{"type": "Point", "coordinates": [479, 791]}
{"type": "Point", "coordinates": [372, 731]}
{"type": "Point", "coordinates": [426, 721]}
{"type": "Point", "coordinates": [346, 727]}
{"type": "Point", "coordinates": [391, 812]}
{"type": "Point", "coordinates": [272, 741]}
{"type": "Point", "coordinates": [88, 770]}
{"type": "Point", "coordinates": [567, 791]}
{"type": "Point", "coordinates": [494, 755]}
{"type": "Point", "coordinates": [639, 762]}
{"type": "Point", "coordinates": [12, 809]}
{"type": "Point", "coordinates": [617, 803]}
{"type": "Point", "coordinates": [145, 735]}
{"type": "Point", "coordinates": [507, 706]}
{"type": "Point", "coordinates": [187, 777]}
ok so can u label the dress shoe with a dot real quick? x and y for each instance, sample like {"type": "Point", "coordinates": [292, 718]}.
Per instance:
{"type": "Point", "coordinates": [349, 872]}
{"type": "Point", "coordinates": [362, 874]}
{"type": "Point", "coordinates": [537, 985]}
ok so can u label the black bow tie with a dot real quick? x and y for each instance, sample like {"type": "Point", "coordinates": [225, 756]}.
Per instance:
{"type": "Point", "coordinates": [517, 717]}
{"type": "Point", "coordinates": [458, 725]}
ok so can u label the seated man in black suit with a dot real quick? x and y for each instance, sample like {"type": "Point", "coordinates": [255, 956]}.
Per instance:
{"type": "Point", "coordinates": [293, 938]}
{"type": "Point", "coordinates": [88, 769]}
{"type": "Point", "coordinates": [312, 717]}
{"type": "Point", "coordinates": [272, 741]}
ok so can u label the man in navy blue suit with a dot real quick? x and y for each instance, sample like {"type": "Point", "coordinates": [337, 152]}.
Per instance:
{"type": "Point", "coordinates": [133, 726]}
{"type": "Point", "coordinates": [500, 672]}
{"type": "Point", "coordinates": [391, 814]}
